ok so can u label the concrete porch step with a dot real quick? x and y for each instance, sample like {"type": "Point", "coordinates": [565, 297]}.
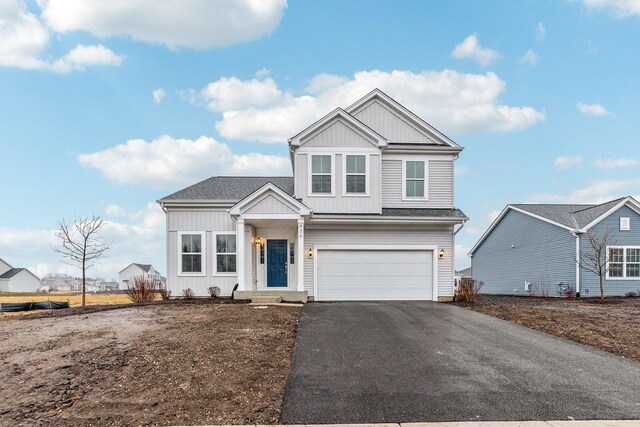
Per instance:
{"type": "Point", "coordinates": [266, 299]}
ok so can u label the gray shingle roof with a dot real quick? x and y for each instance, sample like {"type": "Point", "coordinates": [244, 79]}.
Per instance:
{"type": "Point", "coordinates": [144, 267]}
{"type": "Point", "coordinates": [574, 216]}
{"type": "Point", "coordinates": [10, 273]}
{"type": "Point", "coordinates": [232, 188]}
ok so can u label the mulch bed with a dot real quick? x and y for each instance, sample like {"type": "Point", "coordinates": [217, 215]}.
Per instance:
{"type": "Point", "coordinates": [178, 363]}
{"type": "Point", "coordinates": [612, 326]}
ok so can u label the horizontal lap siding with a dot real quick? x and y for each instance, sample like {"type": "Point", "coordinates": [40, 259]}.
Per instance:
{"type": "Point", "coordinates": [543, 252]}
{"type": "Point", "coordinates": [385, 235]}
{"type": "Point", "coordinates": [589, 282]}
{"type": "Point", "coordinates": [197, 220]}
{"type": "Point", "coordinates": [440, 185]}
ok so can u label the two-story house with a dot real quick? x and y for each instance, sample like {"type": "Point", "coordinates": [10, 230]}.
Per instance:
{"type": "Point", "coordinates": [368, 215]}
{"type": "Point", "coordinates": [133, 270]}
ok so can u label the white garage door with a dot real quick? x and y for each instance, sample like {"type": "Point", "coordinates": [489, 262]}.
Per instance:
{"type": "Point", "coordinates": [350, 275]}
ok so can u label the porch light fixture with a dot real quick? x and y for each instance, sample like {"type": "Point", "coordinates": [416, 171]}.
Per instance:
{"type": "Point", "coordinates": [441, 253]}
{"type": "Point", "coordinates": [310, 252]}
{"type": "Point", "coordinates": [259, 241]}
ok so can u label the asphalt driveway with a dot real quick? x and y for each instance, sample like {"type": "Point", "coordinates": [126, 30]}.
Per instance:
{"type": "Point", "coordinates": [419, 361]}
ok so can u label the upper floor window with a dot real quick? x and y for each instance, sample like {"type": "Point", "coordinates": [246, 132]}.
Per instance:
{"type": "Point", "coordinates": [414, 179]}
{"type": "Point", "coordinates": [191, 253]}
{"type": "Point", "coordinates": [226, 253]}
{"type": "Point", "coordinates": [356, 174]}
{"type": "Point", "coordinates": [624, 262]}
{"type": "Point", "coordinates": [321, 171]}
{"type": "Point", "coordinates": [625, 223]}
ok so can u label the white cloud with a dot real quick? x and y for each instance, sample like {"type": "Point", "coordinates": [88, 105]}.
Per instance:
{"type": "Point", "coordinates": [80, 57]}
{"type": "Point", "coordinates": [115, 210]}
{"type": "Point", "coordinates": [24, 39]}
{"type": "Point", "coordinates": [540, 30]}
{"type": "Point", "coordinates": [567, 162]}
{"type": "Point", "coordinates": [460, 170]}
{"type": "Point", "coordinates": [470, 48]}
{"type": "Point", "coordinates": [595, 110]}
{"type": "Point", "coordinates": [530, 57]}
{"type": "Point", "coordinates": [595, 192]}
{"type": "Point", "coordinates": [168, 162]}
{"type": "Point", "coordinates": [198, 24]}
{"type": "Point", "coordinates": [262, 72]}
{"type": "Point", "coordinates": [136, 237]}
{"type": "Point", "coordinates": [619, 8]}
{"type": "Point", "coordinates": [456, 103]}
{"type": "Point", "coordinates": [158, 95]}
{"type": "Point", "coordinates": [462, 258]}
{"type": "Point", "coordinates": [615, 163]}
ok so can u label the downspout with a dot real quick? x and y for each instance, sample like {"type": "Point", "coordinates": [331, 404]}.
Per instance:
{"type": "Point", "coordinates": [459, 228]}
{"type": "Point", "coordinates": [577, 235]}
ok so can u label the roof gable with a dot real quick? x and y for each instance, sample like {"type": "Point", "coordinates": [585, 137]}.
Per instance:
{"type": "Point", "coordinates": [10, 274]}
{"type": "Point", "coordinates": [432, 135]}
{"type": "Point", "coordinates": [269, 199]}
{"type": "Point", "coordinates": [347, 119]}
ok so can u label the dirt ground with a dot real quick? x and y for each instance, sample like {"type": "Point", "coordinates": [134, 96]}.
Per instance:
{"type": "Point", "coordinates": [612, 326]}
{"type": "Point", "coordinates": [164, 364]}
{"type": "Point", "coordinates": [74, 298]}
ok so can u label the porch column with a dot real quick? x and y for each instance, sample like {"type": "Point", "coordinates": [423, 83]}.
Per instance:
{"type": "Point", "coordinates": [300, 255]}
{"type": "Point", "coordinates": [240, 251]}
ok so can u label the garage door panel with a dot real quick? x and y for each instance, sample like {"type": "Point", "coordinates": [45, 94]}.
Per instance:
{"type": "Point", "coordinates": [374, 275]}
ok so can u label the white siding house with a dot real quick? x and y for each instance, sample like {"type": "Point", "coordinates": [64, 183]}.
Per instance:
{"type": "Point", "coordinates": [133, 270]}
{"type": "Point", "coordinates": [367, 215]}
{"type": "Point", "coordinates": [17, 279]}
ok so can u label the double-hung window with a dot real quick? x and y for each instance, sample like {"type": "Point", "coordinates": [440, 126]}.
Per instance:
{"type": "Point", "coordinates": [414, 179]}
{"type": "Point", "coordinates": [623, 262]}
{"type": "Point", "coordinates": [355, 174]}
{"type": "Point", "coordinates": [191, 254]}
{"type": "Point", "coordinates": [321, 172]}
{"type": "Point", "coordinates": [225, 253]}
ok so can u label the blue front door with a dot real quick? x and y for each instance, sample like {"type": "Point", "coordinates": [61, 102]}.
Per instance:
{"type": "Point", "coordinates": [276, 263]}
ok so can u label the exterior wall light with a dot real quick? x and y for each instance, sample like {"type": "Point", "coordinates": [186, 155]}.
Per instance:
{"type": "Point", "coordinates": [259, 241]}
{"type": "Point", "coordinates": [310, 252]}
{"type": "Point", "coordinates": [441, 253]}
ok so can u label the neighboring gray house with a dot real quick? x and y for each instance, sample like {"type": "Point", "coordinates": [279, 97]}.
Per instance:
{"type": "Point", "coordinates": [532, 246]}
{"type": "Point", "coordinates": [368, 215]}
{"type": "Point", "coordinates": [17, 279]}
{"type": "Point", "coordinates": [133, 270]}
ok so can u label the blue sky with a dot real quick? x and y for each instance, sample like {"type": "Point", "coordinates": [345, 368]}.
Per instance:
{"type": "Point", "coordinates": [103, 110]}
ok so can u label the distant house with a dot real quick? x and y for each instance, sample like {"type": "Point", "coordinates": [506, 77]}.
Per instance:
{"type": "Point", "coordinates": [531, 249]}
{"type": "Point", "coordinates": [17, 279]}
{"type": "Point", "coordinates": [109, 286]}
{"type": "Point", "coordinates": [140, 270]}
{"type": "Point", "coordinates": [61, 283]}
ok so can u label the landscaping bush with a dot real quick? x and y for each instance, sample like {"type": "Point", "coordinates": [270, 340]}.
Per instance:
{"type": "Point", "coordinates": [214, 291]}
{"type": "Point", "coordinates": [142, 290]}
{"type": "Point", "coordinates": [631, 294]}
{"type": "Point", "coordinates": [188, 293]}
{"type": "Point", "coordinates": [468, 289]}
{"type": "Point", "coordinates": [165, 294]}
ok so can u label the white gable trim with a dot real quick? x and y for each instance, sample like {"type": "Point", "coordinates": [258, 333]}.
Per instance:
{"type": "Point", "coordinates": [496, 221]}
{"type": "Point", "coordinates": [261, 193]}
{"type": "Point", "coordinates": [348, 120]}
{"type": "Point", "coordinates": [403, 113]}
{"type": "Point", "coordinates": [3, 260]}
{"type": "Point", "coordinates": [630, 202]}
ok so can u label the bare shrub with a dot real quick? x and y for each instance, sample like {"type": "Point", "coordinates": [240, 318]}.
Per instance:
{"type": "Point", "coordinates": [540, 289]}
{"type": "Point", "coordinates": [630, 294]}
{"type": "Point", "coordinates": [165, 294]}
{"type": "Point", "coordinates": [468, 289]}
{"type": "Point", "coordinates": [214, 292]}
{"type": "Point", "coordinates": [142, 290]}
{"type": "Point", "coordinates": [188, 293]}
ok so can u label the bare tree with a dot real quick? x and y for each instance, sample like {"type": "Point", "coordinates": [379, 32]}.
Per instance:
{"type": "Point", "coordinates": [81, 245]}
{"type": "Point", "coordinates": [593, 257]}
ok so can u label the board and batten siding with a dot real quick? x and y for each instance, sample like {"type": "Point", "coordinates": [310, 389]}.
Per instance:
{"type": "Point", "coordinates": [198, 221]}
{"type": "Point", "coordinates": [387, 123]}
{"type": "Point", "coordinates": [270, 205]}
{"type": "Point", "coordinates": [439, 182]}
{"type": "Point", "coordinates": [338, 203]}
{"type": "Point", "coordinates": [589, 282]}
{"type": "Point", "coordinates": [522, 248]}
{"type": "Point", "coordinates": [337, 134]}
{"type": "Point", "coordinates": [387, 235]}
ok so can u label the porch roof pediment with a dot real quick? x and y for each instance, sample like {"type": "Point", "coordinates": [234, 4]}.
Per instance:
{"type": "Point", "coordinates": [269, 200]}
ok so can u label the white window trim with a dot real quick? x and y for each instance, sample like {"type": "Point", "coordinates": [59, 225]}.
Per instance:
{"type": "Point", "coordinates": [624, 263]}
{"type": "Point", "coordinates": [203, 254]}
{"type": "Point", "coordinates": [310, 174]}
{"type": "Point", "coordinates": [215, 235]}
{"type": "Point", "coordinates": [627, 226]}
{"type": "Point", "coordinates": [404, 179]}
{"type": "Point", "coordinates": [367, 175]}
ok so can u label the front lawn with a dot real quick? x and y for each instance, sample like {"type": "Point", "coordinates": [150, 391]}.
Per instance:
{"type": "Point", "coordinates": [177, 363]}
{"type": "Point", "coordinates": [612, 326]}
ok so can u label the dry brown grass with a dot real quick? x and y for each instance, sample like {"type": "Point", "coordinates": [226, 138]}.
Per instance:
{"type": "Point", "coordinates": [74, 298]}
